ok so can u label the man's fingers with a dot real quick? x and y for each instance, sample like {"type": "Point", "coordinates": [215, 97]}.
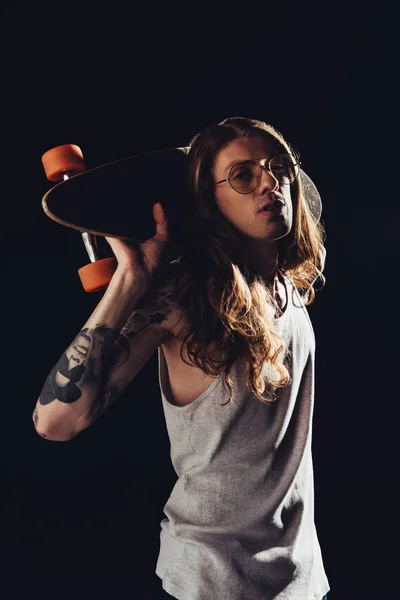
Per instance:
{"type": "Point", "coordinates": [160, 219]}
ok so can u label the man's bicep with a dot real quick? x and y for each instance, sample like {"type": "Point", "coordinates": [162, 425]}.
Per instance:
{"type": "Point", "coordinates": [146, 329]}
{"type": "Point", "coordinates": [128, 357]}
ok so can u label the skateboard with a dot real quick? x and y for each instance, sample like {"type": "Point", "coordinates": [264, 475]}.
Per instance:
{"type": "Point", "coordinates": [114, 200]}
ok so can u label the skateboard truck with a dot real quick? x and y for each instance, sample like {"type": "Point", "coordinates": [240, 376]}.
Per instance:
{"type": "Point", "coordinates": [62, 163]}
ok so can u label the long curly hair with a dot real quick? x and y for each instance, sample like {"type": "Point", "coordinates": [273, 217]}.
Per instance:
{"type": "Point", "coordinates": [225, 304]}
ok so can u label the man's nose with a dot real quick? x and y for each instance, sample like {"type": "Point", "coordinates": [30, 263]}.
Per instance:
{"type": "Point", "coordinates": [267, 181]}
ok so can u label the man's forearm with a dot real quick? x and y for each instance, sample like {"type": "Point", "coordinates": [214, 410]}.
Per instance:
{"type": "Point", "coordinates": [74, 382]}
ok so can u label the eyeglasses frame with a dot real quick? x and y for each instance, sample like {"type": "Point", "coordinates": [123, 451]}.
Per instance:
{"type": "Point", "coordinates": [262, 166]}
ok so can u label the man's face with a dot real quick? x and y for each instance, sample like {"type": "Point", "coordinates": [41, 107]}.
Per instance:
{"type": "Point", "coordinates": [77, 352]}
{"type": "Point", "coordinates": [242, 210]}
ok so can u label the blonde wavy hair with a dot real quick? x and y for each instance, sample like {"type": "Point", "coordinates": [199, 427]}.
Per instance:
{"type": "Point", "coordinates": [223, 302]}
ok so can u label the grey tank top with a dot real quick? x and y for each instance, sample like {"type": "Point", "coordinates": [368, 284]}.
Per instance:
{"type": "Point", "coordinates": [239, 522]}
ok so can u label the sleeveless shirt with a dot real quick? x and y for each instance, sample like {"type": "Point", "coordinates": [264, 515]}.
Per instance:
{"type": "Point", "coordinates": [239, 522]}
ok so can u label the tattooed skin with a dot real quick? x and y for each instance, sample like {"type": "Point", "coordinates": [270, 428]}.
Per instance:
{"type": "Point", "coordinates": [81, 362]}
{"type": "Point", "coordinates": [35, 418]}
{"type": "Point", "coordinates": [155, 311]}
{"type": "Point", "coordinates": [106, 397]}
{"type": "Point", "coordinates": [97, 352]}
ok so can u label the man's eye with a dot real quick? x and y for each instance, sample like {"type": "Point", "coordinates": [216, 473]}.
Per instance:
{"type": "Point", "coordinates": [243, 175]}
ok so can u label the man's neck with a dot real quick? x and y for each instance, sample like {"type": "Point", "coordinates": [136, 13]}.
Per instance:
{"type": "Point", "coordinates": [263, 260]}
{"type": "Point", "coordinates": [267, 272]}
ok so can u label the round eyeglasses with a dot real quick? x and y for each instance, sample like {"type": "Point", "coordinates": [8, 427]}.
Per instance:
{"type": "Point", "coordinates": [245, 176]}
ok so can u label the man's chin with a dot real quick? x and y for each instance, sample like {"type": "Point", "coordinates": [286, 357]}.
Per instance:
{"type": "Point", "coordinates": [273, 236]}
{"type": "Point", "coordinates": [280, 232]}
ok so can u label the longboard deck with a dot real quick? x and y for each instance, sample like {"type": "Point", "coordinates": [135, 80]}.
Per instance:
{"type": "Point", "coordinates": [116, 199]}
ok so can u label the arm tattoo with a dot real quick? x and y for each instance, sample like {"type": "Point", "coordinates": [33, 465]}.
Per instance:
{"type": "Point", "coordinates": [154, 311]}
{"type": "Point", "coordinates": [82, 363]}
{"type": "Point", "coordinates": [35, 418]}
{"type": "Point", "coordinates": [107, 395]}
{"type": "Point", "coordinates": [156, 307]}
{"type": "Point", "coordinates": [96, 352]}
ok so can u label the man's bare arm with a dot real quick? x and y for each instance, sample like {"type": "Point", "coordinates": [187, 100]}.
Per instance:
{"type": "Point", "coordinates": [115, 359]}
{"type": "Point", "coordinates": [146, 329]}
{"type": "Point", "coordinates": [74, 382]}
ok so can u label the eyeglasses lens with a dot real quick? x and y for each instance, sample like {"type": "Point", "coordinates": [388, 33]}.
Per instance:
{"type": "Point", "coordinates": [245, 176]}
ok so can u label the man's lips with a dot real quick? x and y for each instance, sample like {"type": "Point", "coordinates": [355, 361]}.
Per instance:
{"type": "Point", "coordinates": [271, 205]}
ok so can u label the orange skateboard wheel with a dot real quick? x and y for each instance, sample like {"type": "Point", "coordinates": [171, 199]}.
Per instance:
{"type": "Point", "coordinates": [63, 159]}
{"type": "Point", "coordinates": [97, 275]}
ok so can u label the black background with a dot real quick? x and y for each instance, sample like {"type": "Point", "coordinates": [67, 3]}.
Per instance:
{"type": "Point", "coordinates": [81, 519]}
